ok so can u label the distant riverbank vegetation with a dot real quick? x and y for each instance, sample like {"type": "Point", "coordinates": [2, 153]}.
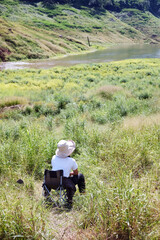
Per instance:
{"type": "Point", "coordinates": [112, 112]}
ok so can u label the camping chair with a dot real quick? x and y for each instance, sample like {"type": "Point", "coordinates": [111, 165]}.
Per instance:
{"type": "Point", "coordinates": [53, 180]}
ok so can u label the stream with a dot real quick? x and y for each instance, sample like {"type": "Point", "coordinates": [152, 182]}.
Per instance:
{"type": "Point", "coordinates": [115, 53]}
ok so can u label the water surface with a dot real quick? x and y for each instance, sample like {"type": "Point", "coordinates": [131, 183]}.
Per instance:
{"type": "Point", "coordinates": [115, 53]}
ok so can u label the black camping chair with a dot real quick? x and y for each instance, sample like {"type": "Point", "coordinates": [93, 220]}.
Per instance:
{"type": "Point", "coordinates": [53, 180]}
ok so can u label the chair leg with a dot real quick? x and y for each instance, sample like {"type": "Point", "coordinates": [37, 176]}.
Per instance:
{"type": "Point", "coordinates": [49, 196]}
{"type": "Point", "coordinates": [62, 196]}
{"type": "Point", "coordinates": [58, 197]}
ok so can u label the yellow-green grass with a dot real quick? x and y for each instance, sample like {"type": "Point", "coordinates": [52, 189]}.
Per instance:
{"type": "Point", "coordinates": [117, 139]}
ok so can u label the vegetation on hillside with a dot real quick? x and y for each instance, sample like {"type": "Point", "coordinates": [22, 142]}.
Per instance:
{"type": "Point", "coordinates": [36, 31]}
{"type": "Point", "coordinates": [116, 5]}
{"type": "Point", "coordinates": [112, 112]}
{"type": "Point", "coordinates": [144, 22]}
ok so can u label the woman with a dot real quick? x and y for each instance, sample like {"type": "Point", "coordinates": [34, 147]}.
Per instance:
{"type": "Point", "coordinates": [71, 177]}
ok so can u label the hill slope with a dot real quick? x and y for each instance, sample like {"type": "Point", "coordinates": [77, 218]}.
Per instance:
{"type": "Point", "coordinates": [34, 32]}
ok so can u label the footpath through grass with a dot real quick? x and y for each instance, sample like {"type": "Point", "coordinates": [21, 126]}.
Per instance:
{"type": "Point", "coordinates": [112, 112]}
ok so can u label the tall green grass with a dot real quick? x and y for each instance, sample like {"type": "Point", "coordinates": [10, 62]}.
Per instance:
{"type": "Point", "coordinates": [22, 215]}
{"type": "Point", "coordinates": [22, 149]}
{"type": "Point", "coordinates": [123, 177]}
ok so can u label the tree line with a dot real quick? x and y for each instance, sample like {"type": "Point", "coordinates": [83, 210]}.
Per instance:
{"type": "Point", "coordinates": [113, 5]}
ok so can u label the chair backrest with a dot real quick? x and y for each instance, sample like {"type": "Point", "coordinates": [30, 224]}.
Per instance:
{"type": "Point", "coordinates": [53, 179]}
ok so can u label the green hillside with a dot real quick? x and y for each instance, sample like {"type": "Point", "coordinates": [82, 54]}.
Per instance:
{"type": "Point", "coordinates": [37, 31]}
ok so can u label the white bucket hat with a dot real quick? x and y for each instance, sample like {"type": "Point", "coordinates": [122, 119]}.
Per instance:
{"type": "Point", "coordinates": [65, 148]}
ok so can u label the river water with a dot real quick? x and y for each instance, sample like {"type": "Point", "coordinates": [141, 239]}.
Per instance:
{"type": "Point", "coordinates": [115, 53]}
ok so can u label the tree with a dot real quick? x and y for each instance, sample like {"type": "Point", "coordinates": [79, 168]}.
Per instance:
{"type": "Point", "coordinates": [97, 3]}
{"type": "Point", "coordinates": [155, 6]}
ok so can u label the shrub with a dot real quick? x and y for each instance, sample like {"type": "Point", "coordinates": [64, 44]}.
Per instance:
{"type": "Point", "coordinates": [28, 110]}
{"type": "Point", "coordinates": [45, 109]}
{"type": "Point", "coordinates": [144, 95]}
{"type": "Point", "coordinates": [62, 101]}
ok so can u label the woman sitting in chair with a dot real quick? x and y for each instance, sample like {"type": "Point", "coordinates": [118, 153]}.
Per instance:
{"type": "Point", "coordinates": [71, 177]}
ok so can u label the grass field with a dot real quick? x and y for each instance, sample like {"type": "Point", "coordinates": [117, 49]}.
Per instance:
{"type": "Point", "coordinates": [112, 112]}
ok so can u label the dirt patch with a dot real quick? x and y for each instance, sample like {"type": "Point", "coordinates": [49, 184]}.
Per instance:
{"type": "Point", "coordinates": [13, 107]}
{"type": "Point", "coordinates": [61, 223]}
{"type": "Point", "coordinates": [3, 53]}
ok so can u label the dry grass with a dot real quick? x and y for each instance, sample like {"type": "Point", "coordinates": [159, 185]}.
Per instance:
{"type": "Point", "coordinates": [12, 101]}
{"type": "Point", "coordinates": [141, 121]}
{"type": "Point", "coordinates": [108, 91]}
{"type": "Point", "coordinates": [51, 47]}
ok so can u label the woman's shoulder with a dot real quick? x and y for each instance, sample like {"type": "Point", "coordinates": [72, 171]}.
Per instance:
{"type": "Point", "coordinates": [71, 159]}
{"type": "Point", "coordinates": [54, 156]}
